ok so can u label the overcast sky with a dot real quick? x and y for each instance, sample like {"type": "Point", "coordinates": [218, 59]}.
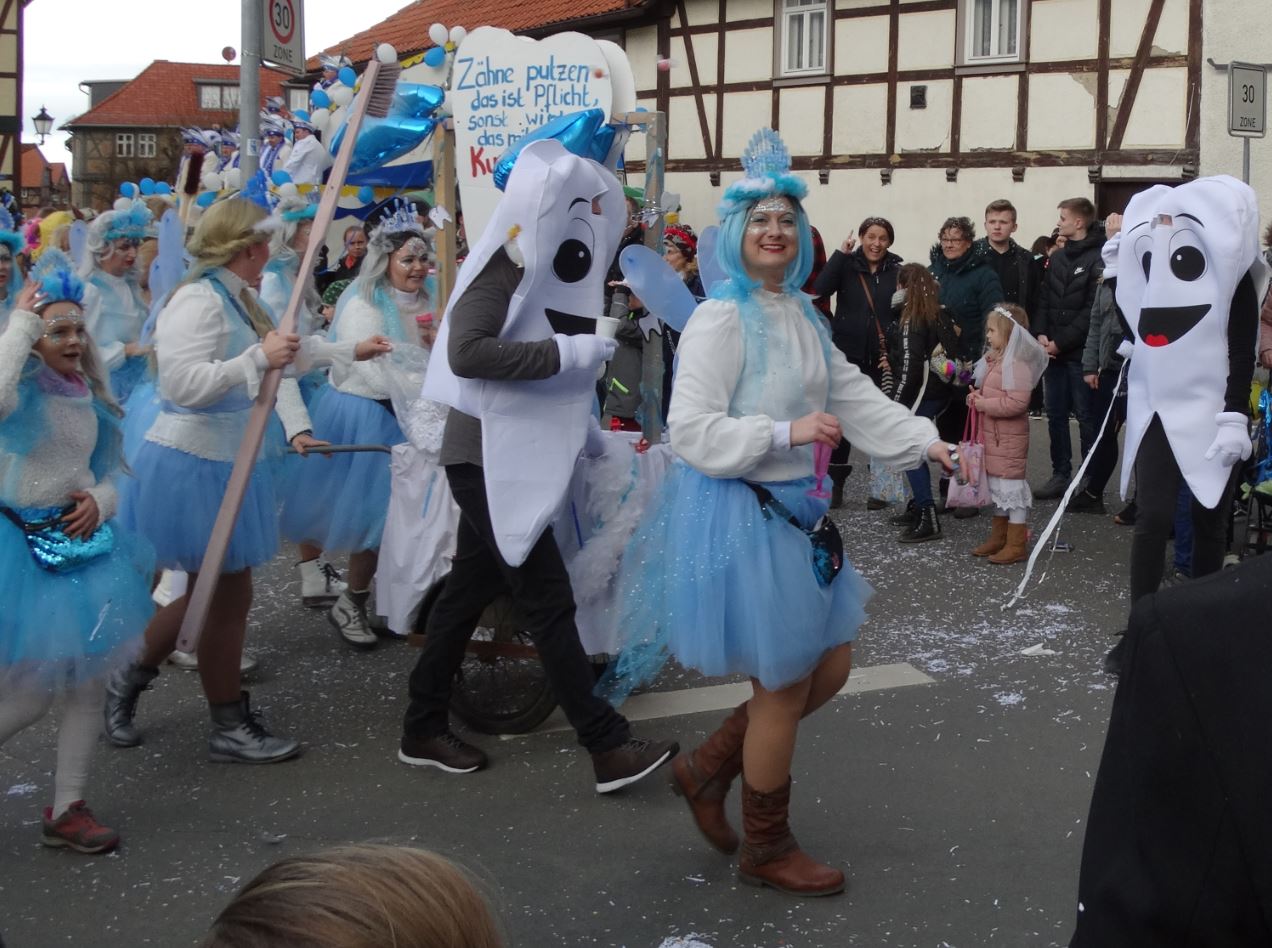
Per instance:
{"type": "Point", "coordinates": [69, 41]}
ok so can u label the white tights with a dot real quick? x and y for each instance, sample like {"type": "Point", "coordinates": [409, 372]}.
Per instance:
{"type": "Point", "coordinates": [22, 703]}
{"type": "Point", "coordinates": [1013, 515]}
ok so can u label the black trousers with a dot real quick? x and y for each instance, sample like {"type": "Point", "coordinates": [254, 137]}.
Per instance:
{"type": "Point", "coordinates": [540, 589]}
{"type": "Point", "coordinates": [1104, 454]}
{"type": "Point", "coordinates": [1157, 480]}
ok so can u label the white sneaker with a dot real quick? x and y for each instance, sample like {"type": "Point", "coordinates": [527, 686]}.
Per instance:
{"type": "Point", "coordinates": [350, 620]}
{"type": "Point", "coordinates": [188, 661]}
{"type": "Point", "coordinates": [320, 584]}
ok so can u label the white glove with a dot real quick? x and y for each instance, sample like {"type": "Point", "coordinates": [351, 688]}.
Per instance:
{"type": "Point", "coordinates": [1125, 348]}
{"type": "Point", "coordinates": [1108, 254]}
{"type": "Point", "coordinates": [595, 445]}
{"type": "Point", "coordinates": [1232, 442]}
{"type": "Point", "coordinates": [898, 298]}
{"type": "Point", "coordinates": [584, 351]}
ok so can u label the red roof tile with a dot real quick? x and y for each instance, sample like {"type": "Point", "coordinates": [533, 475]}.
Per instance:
{"type": "Point", "coordinates": [407, 29]}
{"type": "Point", "coordinates": [34, 163]}
{"type": "Point", "coordinates": [164, 94]}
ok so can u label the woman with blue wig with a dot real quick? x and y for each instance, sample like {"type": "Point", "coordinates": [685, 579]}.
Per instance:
{"type": "Point", "coordinates": [734, 570]}
{"type": "Point", "coordinates": [11, 246]}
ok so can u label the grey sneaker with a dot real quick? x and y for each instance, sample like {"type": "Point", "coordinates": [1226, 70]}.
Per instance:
{"type": "Point", "coordinates": [239, 737]}
{"type": "Point", "coordinates": [188, 661]}
{"type": "Point", "coordinates": [350, 620]}
{"type": "Point", "coordinates": [629, 762]}
{"type": "Point", "coordinates": [1054, 488]}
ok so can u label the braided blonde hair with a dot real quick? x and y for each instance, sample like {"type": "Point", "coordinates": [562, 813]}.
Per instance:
{"type": "Point", "coordinates": [224, 231]}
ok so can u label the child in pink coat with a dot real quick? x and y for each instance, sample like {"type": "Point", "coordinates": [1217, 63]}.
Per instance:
{"type": "Point", "coordinates": [1004, 380]}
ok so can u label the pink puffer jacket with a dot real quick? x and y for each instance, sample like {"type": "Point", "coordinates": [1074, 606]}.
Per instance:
{"type": "Point", "coordinates": [1006, 425]}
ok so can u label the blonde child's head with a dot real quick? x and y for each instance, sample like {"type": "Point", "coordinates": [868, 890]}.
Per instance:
{"type": "Point", "coordinates": [1000, 322]}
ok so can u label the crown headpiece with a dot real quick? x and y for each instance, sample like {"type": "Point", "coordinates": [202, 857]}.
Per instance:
{"type": "Point", "coordinates": [403, 218]}
{"type": "Point", "coordinates": [56, 275]}
{"type": "Point", "coordinates": [766, 164]}
{"type": "Point", "coordinates": [130, 219]}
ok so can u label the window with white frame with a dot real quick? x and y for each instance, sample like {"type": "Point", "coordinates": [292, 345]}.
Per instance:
{"type": "Point", "coordinates": [297, 99]}
{"type": "Point", "coordinates": [209, 97]}
{"type": "Point", "coordinates": [804, 39]}
{"type": "Point", "coordinates": [994, 30]}
{"type": "Point", "coordinates": [146, 145]}
{"type": "Point", "coordinates": [124, 145]}
{"type": "Point", "coordinates": [230, 97]}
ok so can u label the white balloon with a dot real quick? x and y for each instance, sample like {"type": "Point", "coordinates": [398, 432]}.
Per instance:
{"type": "Point", "coordinates": [341, 95]}
{"type": "Point", "coordinates": [123, 204]}
{"type": "Point", "coordinates": [320, 119]}
{"type": "Point", "coordinates": [457, 34]}
{"type": "Point", "coordinates": [445, 109]}
{"type": "Point", "coordinates": [210, 180]}
{"type": "Point", "coordinates": [437, 33]}
{"type": "Point", "coordinates": [386, 53]}
{"type": "Point", "coordinates": [233, 178]}
{"type": "Point", "coordinates": [288, 190]}
{"type": "Point", "coordinates": [338, 118]}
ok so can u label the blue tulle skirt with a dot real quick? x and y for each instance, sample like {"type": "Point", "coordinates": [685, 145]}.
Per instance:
{"type": "Point", "coordinates": [707, 579]}
{"type": "Point", "coordinates": [140, 411]}
{"type": "Point", "coordinates": [65, 628]}
{"type": "Point", "coordinates": [340, 503]}
{"type": "Point", "coordinates": [128, 376]}
{"type": "Point", "coordinates": [172, 499]}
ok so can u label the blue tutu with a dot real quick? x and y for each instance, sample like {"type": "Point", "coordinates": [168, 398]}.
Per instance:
{"type": "Point", "coordinates": [67, 628]}
{"type": "Point", "coordinates": [708, 579]}
{"type": "Point", "coordinates": [140, 411]}
{"type": "Point", "coordinates": [340, 504]}
{"type": "Point", "coordinates": [128, 376]}
{"type": "Point", "coordinates": [172, 499]}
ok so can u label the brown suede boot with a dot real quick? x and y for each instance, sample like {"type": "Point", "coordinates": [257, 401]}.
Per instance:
{"type": "Point", "coordinates": [703, 777]}
{"type": "Point", "coordinates": [1016, 548]}
{"type": "Point", "coordinates": [770, 856]}
{"type": "Point", "coordinates": [997, 538]}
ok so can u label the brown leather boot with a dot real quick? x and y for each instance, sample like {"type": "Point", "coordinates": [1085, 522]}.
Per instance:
{"type": "Point", "coordinates": [997, 538]}
{"type": "Point", "coordinates": [703, 777]}
{"type": "Point", "coordinates": [770, 856]}
{"type": "Point", "coordinates": [1017, 546]}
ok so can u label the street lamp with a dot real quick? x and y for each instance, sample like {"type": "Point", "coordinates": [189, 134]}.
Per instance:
{"type": "Point", "coordinates": [43, 124]}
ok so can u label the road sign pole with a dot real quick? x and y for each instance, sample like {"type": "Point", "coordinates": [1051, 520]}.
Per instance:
{"type": "Point", "coordinates": [250, 90]}
{"type": "Point", "coordinates": [1245, 160]}
{"type": "Point", "coordinates": [1247, 107]}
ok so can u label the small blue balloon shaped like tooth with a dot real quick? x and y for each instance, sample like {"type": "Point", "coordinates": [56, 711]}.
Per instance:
{"type": "Point", "coordinates": [416, 99]}
{"type": "Point", "coordinates": [576, 131]}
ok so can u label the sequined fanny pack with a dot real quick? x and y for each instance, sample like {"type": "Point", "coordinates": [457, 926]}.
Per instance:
{"type": "Point", "coordinates": [828, 545]}
{"type": "Point", "coordinates": [52, 549]}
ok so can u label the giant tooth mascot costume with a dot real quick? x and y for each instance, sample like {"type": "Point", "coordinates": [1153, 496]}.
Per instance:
{"type": "Point", "coordinates": [533, 431]}
{"type": "Point", "coordinates": [1190, 278]}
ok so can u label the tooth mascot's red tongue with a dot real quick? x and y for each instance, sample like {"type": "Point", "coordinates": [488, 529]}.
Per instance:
{"type": "Point", "coordinates": [1191, 246]}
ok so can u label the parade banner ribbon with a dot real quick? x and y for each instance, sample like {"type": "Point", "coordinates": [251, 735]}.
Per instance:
{"type": "Point", "coordinates": [376, 96]}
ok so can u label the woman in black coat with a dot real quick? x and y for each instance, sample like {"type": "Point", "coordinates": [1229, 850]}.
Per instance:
{"type": "Point", "coordinates": [862, 275]}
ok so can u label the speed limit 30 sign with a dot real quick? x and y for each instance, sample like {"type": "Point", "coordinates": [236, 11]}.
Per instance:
{"type": "Point", "coordinates": [1247, 100]}
{"type": "Point", "coordinates": [284, 35]}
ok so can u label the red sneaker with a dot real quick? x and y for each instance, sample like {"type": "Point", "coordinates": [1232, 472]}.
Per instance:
{"type": "Point", "coordinates": [78, 829]}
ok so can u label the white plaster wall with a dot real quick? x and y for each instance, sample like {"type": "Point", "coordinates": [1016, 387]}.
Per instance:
{"type": "Point", "coordinates": [704, 54]}
{"type": "Point", "coordinates": [1159, 117]}
{"type": "Point", "coordinates": [803, 117]}
{"type": "Point", "coordinates": [1064, 29]}
{"type": "Point", "coordinates": [701, 12]}
{"type": "Point", "coordinates": [684, 130]}
{"type": "Point", "coordinates": [747, 9]}
{"type": "Point", "coordinates": [744, 112]}
{"type": "Point", "coordinates": [641, 46]}
{"type": "Point", "coordinates": [861, 45]}
{"type": "Point", "coordinates": [854, 4]}
{"type": "Point", "coordinates": [1238, 30]}
{"type": "Point", "coordinates": [748, 55]}
{"type": "Point", "coordinates": [1128, 24]}
{"type": "Point", "coordinates": [925, 129]}
{"type": "Point", "coordinates": [861, 116]}
{"type": "Point", "coordinates": [1061, 112]}
{"type": "Point", "coordinates": [925, 40]}
{"type": "Point", "coordinates": [989, 112]}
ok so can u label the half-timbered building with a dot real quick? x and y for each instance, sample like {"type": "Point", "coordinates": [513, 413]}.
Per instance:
{"type": "Point", "coordinates": [11, 12]}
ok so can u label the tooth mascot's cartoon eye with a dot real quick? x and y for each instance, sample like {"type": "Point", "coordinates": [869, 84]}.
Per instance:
{"type": "Point", "coordinates": [573, 258]}
{"type": "Point", "coordinates": [1187, 262]}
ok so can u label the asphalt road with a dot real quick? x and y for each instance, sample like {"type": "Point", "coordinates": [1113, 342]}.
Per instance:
{"type": "Point", "coordinates": [957, 808]}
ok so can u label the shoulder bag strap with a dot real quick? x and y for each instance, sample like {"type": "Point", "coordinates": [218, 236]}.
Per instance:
{"type": "Point", "coordinates": [769, 502]}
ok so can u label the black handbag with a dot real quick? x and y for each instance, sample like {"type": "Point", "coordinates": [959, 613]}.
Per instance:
{"type": "Point", "coordinates": [828, 545]}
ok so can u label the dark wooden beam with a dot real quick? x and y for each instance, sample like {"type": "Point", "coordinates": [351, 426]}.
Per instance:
{"type": "Point", "coordinates": [719, 96]}
{"type": "Point", "coordinates": [956, 116]}
{"type": "Point", "coordinates": [757, 23]}
{"type": "Point", "coordinates": [1137, 73]}
{"type": "Point", "coordinates": [697, 83]}
{"type": "Point", "coordinates": [1192, 134]}
{"type": "Point", "coordinates": [1104, 27]}
{"type": "Point", "coordinates": [662, 95]}
{"type": "Point", "coordinates": [828, 121]}
{"type": "Point", "coordinates": [894, 30]}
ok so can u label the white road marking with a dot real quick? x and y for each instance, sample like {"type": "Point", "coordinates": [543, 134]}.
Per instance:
{"type": "Point", "coordinates": [667, 704]}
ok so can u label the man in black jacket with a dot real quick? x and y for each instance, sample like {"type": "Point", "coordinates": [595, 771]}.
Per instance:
{"type": "Point", "coordinates": [1061, 320]}
{"type": "Point", "coordinates": [1018, 271]}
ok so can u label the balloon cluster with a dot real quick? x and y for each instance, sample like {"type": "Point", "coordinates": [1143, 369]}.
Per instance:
{"type": "Point", "coordinates": [328, 107]}
{"type": "Point", "coordinates": [145, 188]}
{"type": "Point", "coordinates": [445, 42]}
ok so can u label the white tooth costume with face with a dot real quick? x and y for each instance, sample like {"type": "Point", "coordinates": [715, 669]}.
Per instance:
{"type": "Point", "coordinates": [1183, 252]}
{"type": "Point", "coordinates": [533, 431]}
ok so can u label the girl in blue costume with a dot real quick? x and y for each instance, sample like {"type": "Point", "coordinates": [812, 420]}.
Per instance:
{"type": "Point", "coordinates": [340, 505]}
{"type": "Point", "coordinates": [77, 588]}
{"type": "Point", "coordinates": [725, 584]}
{"type": "Point", "coordinates": [114, 308]}
{"type": "Point", "coordinates": [213, 344]}
{"type": "Point", "coordinates": [320, 583]}
{"type": "Point", "coordinates": [11, 246]}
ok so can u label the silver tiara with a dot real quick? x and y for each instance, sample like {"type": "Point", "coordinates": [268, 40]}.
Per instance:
{"type": "Point", "coordinates": [403, 219]}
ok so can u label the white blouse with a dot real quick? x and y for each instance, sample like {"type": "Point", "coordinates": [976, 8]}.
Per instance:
{"type": "Point", "coordinates": [359, 319]}
{"type": "Point", "coordinates": [727, 424]}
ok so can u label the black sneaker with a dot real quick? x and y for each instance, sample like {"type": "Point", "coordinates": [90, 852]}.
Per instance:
{"type": "Point", "coordinates": [1085, 501]}
{"type": "Point", "coordinates": [1053, 488]}
{"type": "Point", "coordinates": [1114, 659]}
{"type": "Point", "coordinates": [445, 752]}
{"type": "Point", "coordinates": [629, 762]}
{"type": "Point", "coordinates": [1126, 516]}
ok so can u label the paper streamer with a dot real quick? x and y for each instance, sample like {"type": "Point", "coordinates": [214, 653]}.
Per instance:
{"type": "Point", "coordinates": [1054, 522]}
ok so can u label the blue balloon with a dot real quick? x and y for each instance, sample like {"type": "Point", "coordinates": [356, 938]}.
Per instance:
{"type": "Point", "coordinates": [319, 99]}
{"type": "Point", "coordinates": [366, 194]}
{"type": "Point", "coordinates": [280, 177]}
{"type": "Point", "coordinates": [708, 263]}
{"type": "Point", "coordinates": [416, 99]}
{"type": "Point", "coordinates": [435, 57]}
{"type": "Point", "coordinates": [147, 186]}
{"type": "Point", "coordinates": [659, 287]}
{"type": "Point", "coordinates": [163, 187]}
{"type": "Point", "coordinates": [381, 140]}
{"type": "Point", "coordinates": [128, 189]}
{"type": "Point", "coordinates": [576, 131]}
{"type": "Point", "coordinates": [348, 76]}
{"type": "Point", "coordinates": [206, 199]}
